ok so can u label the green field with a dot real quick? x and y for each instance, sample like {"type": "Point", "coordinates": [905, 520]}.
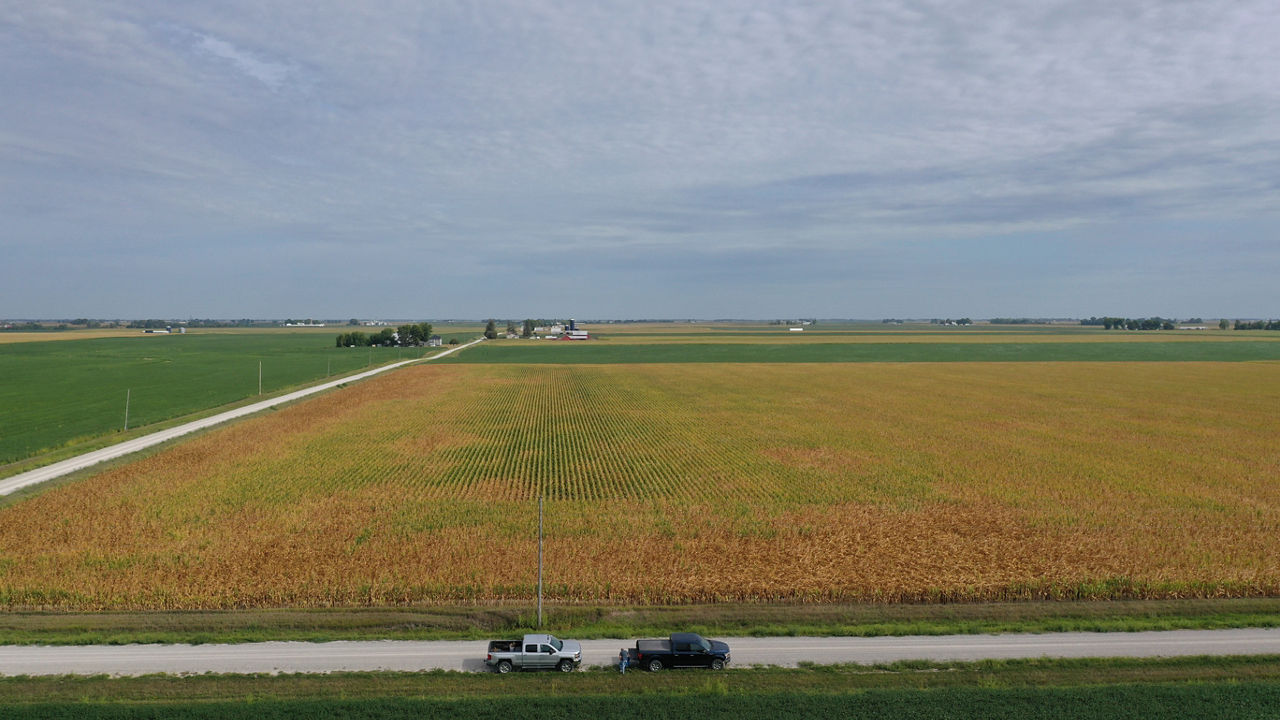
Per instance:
{"type": "Point", "coordinates": [62, 393]}
{"type": "Point", "coordinates": [1145, 350]}
{"type": "Point", "coordinates": [1225, 701]}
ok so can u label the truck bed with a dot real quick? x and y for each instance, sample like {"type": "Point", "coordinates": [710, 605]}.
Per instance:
{"type": "Point", "coordinates": [654, 646]}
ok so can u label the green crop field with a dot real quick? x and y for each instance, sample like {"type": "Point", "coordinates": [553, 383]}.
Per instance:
{"type": "Point", "coordinates": [56, 394]}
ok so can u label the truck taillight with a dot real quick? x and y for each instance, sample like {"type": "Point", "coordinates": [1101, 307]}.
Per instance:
{"type": "Point", "coordinates": [488, 656]}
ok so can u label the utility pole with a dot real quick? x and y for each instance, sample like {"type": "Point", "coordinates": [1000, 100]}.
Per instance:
{"type": "Point", "coordinates": [539, 561]}
{"type": "Point", "coordinates": [126, 407]}
{"type": "Point", "coordinates": [259, 377]}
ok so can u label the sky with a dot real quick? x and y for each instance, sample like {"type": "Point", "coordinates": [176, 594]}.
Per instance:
{"type": "Point", "coordinates": [725, 159]}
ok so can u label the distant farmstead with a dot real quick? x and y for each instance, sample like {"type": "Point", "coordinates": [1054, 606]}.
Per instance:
{"type": "Point", "coordinates": [434, 341]}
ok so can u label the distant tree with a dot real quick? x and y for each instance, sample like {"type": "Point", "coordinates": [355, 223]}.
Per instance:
{"type": "Point", "coordinates": [1223, 324]}
{"type": "Point", "coordinates": [490, 331]}
{"type": "Point", "coordinates": [511, 327]}
{"type": "Point", "coordinates": [529, 325]}
{"type": "Point", "coordinates": [352, 339]}
{"type": "Point", "coordinates": [353, 321]}
{"type": "Point", "coordinates": [420, 333]}
{"type": "Point", "coordinates": [453, 341]}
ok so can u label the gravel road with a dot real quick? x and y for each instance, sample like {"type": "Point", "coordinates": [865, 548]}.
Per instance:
{"type": "Point", "coordinates": [299, 657]}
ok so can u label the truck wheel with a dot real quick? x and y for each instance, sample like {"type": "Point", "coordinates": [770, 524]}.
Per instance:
{"type": "Point", "coordinates": [504, 666]}
{"type": "Point", "coordinates": [717, 664]}
{"type": "Point", "coordinates": [565, 666]}
{"type": "Point", "coordinates": [655, 665]}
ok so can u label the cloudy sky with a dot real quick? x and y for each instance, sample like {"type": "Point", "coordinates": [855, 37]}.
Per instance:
{"type": "Point", "coordinates": [639, 159]}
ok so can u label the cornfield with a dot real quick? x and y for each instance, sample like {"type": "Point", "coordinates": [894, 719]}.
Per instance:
{"type": "Point", "coordinates": [689, 483]}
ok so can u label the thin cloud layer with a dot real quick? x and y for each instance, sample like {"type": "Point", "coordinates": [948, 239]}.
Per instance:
{"type": "Point", "coordinates": [740, 159]}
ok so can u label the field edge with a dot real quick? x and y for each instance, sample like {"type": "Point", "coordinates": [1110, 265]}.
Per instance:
{"type": "Point", "coordinates": [482, 621]}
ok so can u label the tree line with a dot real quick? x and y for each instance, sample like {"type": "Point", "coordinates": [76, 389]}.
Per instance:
{"type": "Point", "coordinates": [1119, 323]}
{"type": "Point", "coordinates": [1257, 325]}
{"type": "Point", "coordinates": [404, 336]}
{"type": "Point", "coordinates": [524, 330]}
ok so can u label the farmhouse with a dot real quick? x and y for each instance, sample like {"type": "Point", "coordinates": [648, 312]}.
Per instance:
{"type": "Point", "coordinates": [434, 341]}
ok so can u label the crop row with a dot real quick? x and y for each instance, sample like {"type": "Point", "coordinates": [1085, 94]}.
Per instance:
{"type": "Point", "coordinates": [670, 483]}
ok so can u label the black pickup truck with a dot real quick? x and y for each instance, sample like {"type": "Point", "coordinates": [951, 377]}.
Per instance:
{"type": "Point", "coordinates": [681, 650]}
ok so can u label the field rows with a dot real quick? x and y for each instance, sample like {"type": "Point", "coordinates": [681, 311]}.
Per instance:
{"type": "Point", "coordinates": [684, 483]}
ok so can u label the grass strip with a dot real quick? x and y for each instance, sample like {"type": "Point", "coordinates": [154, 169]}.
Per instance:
{"type": "Point", "coordinates": [438, 623]}
{"type": "Point", "coordinates": [1238, 687]}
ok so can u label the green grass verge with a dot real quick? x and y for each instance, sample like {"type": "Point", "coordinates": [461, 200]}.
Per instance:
{"type": "Point", "coordinates": [229, 626]}
{"type": "Point", "coordinates": [1235, 687]}
{"type": "Point", "coordinates": [813, 352]}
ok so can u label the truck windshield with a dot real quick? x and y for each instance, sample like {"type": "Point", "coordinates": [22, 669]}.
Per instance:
{"type": "Point", "coordinates": [556, 643]}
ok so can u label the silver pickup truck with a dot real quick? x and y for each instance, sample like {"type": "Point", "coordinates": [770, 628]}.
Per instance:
{"type": "Point", "coordinates": [534, 652]}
